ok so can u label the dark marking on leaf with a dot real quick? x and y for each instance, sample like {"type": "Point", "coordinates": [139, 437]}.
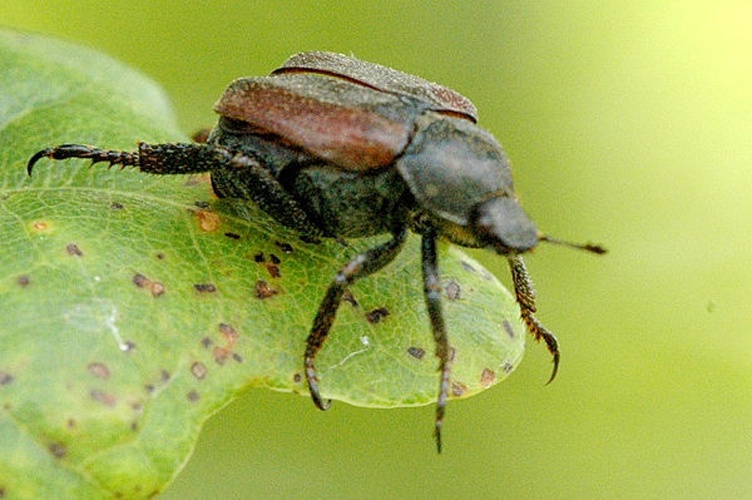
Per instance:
{"type": "Point", "coordinates": [229, 333]}
{"type": "Point", "coordinates": [264, 290]}
{"type": "Point", "coordinates": [71, 423]}
{"type": "Point", "coordinates": [5, 378]}
{"type": "Point", "coordinates": [233, 236]}
{"type": "Point", "coordinates": [205, 287]}
{"type": "Point", "coordinates": [164, 375]}
{"type": "Point", "coordinates": [198, 369]}
{"type": "Point", "coordinates": [259, 257]}
{"type": "Point", "coordinates": [58, 450]}
{"type": "Point", "coordinates": [106, 398]}
{"type": "Point", "coordinates": [453, 290]}
{"type": "Point", "coordinates": [208, 222]}
{"type": "Point", "coordinates": [116, 205]}
{"type": "Point", "coordinates": [350, 298]}
{"type": "Point", "coordinates": [467, 267]}
{"type": "Point", "coordinates": [458, 389]}
{"type": "Point", "coordinates": [487, 377]}
{"type": "Point", "coordinates": [220, 354]}
{"type": "Point", "coordinates": [452, 353]}
{"type": "Point", "coordinates": [202, 204]}
{"type": "Point", "coordinates": [206, 342]}
{"type": "Point", "coordinates": [193, 396]}
{"type": "Point", "coordinates": [237, 357]}
{"type": "Point", "coordinates": [507, 368]}
{"type": "Point", "coordinates": [377, 315]}
{"type": "Point", "coordinates": [160, 256]}
{"type": "Point", "coordinates": [416, 352]}
{"type": "Point", "coordinates": [285, 247]}
{"type": "Point", "coordinates": [74, 250]}
{"type": "Point", "coordinates": [297, 378]}
{"type": "Point", "coordinates": [23, 280]}
{"type": "Point", "coordinates": [156, 288]}
{"type": "Point", "coordinates": [134, 426]}
{"type": "Point", "coordinates": [150, 388]}
{"type": "Point", "coordinates": [508, 328]}
{"type": "Point", "coordinates": [99, 370]}
{"type": "Point", "coordinates": [274, 259]}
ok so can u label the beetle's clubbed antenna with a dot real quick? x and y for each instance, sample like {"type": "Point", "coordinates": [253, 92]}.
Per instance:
{"type": "Point", "coordinates": [597, 249]}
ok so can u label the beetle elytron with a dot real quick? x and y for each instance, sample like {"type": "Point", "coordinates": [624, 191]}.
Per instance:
{"type": "Point", "coordinates": [336, 147]}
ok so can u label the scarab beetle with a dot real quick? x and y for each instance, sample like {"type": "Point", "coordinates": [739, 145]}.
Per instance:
{"type": "Point", "coordinates": [335, 147]}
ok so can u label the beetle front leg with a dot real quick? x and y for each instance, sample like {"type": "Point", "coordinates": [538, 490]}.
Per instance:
{"type": "Point", "coordinates": [362, 265]}
{"type": "Point", "coordinates": [432, 290]}
{"type": "Point", "coordinates": [525, 292]}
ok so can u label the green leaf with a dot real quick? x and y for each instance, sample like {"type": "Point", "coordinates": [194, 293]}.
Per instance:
{"type": "Point", "coordinates": [133, 306]}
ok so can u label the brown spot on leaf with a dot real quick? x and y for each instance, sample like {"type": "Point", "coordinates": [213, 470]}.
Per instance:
{"type": "Point", "coordinates": [416, 352]}
{"type": "Point", "coordinates": [198, 369]}
{"type": "Point", "coordinates": [115, 205]}
{"type": "Point", "coordinates": [156, 288]}
{"type": "Point", "coordinates": [220, 354]}
{"type": "Point", "coordinates": [23, 280]}
{"type": "Point", "coordinates": [106, 398]}
{"type": "Point", "coordinates": [40, 226]}
{"type": "Point", "coordinates": [99, 370]}
{"type": "Point", "coordinates": [208, 221]}
{"type": "Point", "coordinates": [205, 287]}
{"type": "Point", "coordinates": [58, 450]}
{"type": "Point", "coordinates": [487, 377]}
{"type": "Point", "coordinates": [297, 378]}
{"type": "Point", "coordinates": [193, 396]}
{"type": "Point", "coordinates": [264, 290]}
{"type": "Point", "coordinates": [74, 250]}
{"type": "Point", "coordinates": [377, 315]}
{"type": "Point", "coordinates": [458, 389]}
{"type": "Point", "coordinates": [160, 256]}
{"type": "Point", "coordinates": [274, 259]}
{"type": "Point", "coordinates": [233, 236]}
{"type": "Point", "coordinates": [71, 423]}
{"type": "Point", "coordinates": [230, 334]}
{"type": "Point", "coordinates": [5, 378]}
{"type": "Point", "coordinates": [453, 290]}
{"type": "Point", "coordinates": [349, 298]}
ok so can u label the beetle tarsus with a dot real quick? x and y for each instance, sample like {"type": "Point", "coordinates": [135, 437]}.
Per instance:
{"type": "Point", "coordinates": [525, 294]}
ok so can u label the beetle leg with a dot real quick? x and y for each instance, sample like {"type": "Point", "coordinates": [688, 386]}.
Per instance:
{"type": "Point", "coordinates": [525, 292]}
{"type": "Point", "coordinates": [362, 265]}
{"type": "Point", "coordinates": [258, 185]}
{"type": "Point", "coordinates": [432, 290]}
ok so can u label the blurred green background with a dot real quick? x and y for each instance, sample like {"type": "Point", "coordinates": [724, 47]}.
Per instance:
{"type": "Point", "coordinates": [629, 124]}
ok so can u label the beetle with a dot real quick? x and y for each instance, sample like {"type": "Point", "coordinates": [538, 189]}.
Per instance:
{"type": "Point", "coordinates": [335, 147]}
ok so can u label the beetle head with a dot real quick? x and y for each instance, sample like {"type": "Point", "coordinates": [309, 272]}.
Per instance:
{"type": "Point", "coordinates": [501, 224]}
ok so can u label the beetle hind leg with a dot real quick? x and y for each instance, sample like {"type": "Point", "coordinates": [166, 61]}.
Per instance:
{"type": "Point", "coordinates": [432, 290]}
{"type": "Point", "coordinates": [362, 265]}
{"type": "Point", "coordinates": [525, 293]}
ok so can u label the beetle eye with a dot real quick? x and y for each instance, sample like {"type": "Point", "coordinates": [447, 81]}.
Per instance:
{"type": "Point", "coordinates": [501, 224]}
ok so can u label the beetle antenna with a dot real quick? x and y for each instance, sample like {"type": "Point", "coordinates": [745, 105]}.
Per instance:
{"type": "Point", "coordinates": [597, 249]}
